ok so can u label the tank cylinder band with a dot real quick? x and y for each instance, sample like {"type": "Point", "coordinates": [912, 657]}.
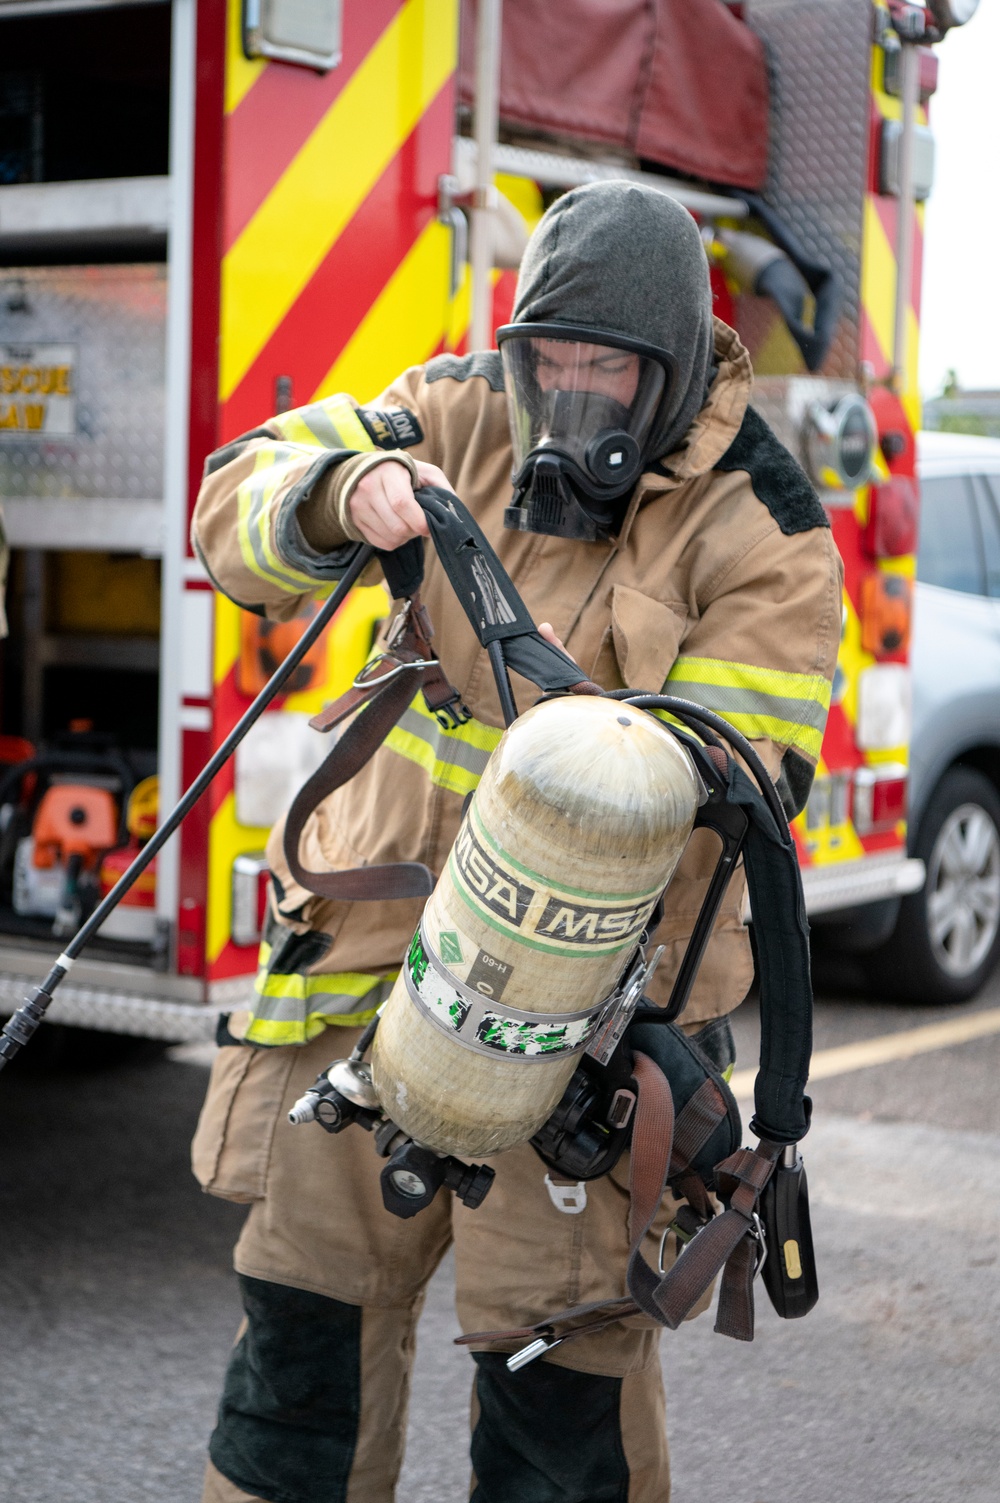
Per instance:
{"type": "Point", "coordinates": [485, 1025]}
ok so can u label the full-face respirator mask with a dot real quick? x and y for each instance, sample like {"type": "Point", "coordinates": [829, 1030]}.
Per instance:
{"type": "Point", "coordinates": [583, 407]}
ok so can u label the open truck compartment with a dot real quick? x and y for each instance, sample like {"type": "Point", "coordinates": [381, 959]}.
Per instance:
{"type": "Point", "coordinates": [84, 131]}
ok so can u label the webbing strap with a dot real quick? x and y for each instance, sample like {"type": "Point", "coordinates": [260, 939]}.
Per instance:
{"type": "Point", "coordinates": [400, 879]}
{"type": "Point", "coordinates": [727, 1243]}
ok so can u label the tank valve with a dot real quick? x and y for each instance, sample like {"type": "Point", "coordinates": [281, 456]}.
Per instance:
{"type": "Point", "coordinates": [341, 1095]}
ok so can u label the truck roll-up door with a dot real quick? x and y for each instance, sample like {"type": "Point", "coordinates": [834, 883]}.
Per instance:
{"type": "Point", "coordinates": [682, 83]}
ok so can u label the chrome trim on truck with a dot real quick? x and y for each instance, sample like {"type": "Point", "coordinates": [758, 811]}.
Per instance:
{"type": "Point", "coordinates": [848, 884]}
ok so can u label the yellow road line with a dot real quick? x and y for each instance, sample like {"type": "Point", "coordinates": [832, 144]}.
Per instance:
{"type": "Point", "coordinates": [888, 1048]}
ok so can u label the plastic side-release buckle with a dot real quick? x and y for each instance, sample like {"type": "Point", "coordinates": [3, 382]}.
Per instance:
{"type": "Point", "coordinates": [570, 1199]}
{"type": "Point", "coordinates": [450, 715]}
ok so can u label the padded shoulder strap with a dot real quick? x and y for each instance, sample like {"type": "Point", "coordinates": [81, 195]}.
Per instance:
{"type": "Point", "coordinates": [786, 1001]}
{"type": "Point", "coordinates": [485, 590]}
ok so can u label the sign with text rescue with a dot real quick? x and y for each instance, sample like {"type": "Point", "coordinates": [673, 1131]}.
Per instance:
{"type": "Point", "coordinates": [37, 390]}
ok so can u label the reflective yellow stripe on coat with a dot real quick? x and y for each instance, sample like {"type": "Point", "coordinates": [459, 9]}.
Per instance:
{"type": "Point", "coordinates": [310, 434]}
{"type": "Point", "coordinates": [292, 1007]}
{"type": "Point", "coordinates": [455, 759]}
{"type": "Point", "coordinates": [761, 703]}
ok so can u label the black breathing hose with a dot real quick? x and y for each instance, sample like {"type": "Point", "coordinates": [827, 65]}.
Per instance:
{"type": "Point", "coordinates": [686, 710]}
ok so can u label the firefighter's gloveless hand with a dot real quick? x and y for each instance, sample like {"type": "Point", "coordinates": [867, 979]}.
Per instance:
{"type": "Point", "coordinates": [383, 508]}
{"type": "Point", "coordinates": [384, 511]}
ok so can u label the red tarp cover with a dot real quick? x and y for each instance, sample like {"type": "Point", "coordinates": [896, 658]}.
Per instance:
{"type": "Point", "coordinates": [679, 82]}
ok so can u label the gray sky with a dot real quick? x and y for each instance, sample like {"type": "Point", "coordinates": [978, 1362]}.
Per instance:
{"type": "Point", "coordinates": [961, 294]}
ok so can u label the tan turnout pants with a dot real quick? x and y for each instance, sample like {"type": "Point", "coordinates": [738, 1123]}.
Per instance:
{"type": "Point", "coordinates": [317, 1224]}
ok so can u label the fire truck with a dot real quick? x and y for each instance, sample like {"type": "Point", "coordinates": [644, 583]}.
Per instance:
{"type": "Point", "coordinates": [213, 210]}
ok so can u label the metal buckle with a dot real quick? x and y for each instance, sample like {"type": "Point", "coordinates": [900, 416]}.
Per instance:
{"type": "Point", "coordinates": [683, 1240]}
{"type": "Point", "coordinates": [757, 1233]}
{"type": "Point", "coordinates": [399, 625]}
{"type": "Point", "coordinates": [364, 679]}
{"type": "Point", "coordinates": [531, 1353]}
{"type": "Point", "coordinates": [622, 1004]}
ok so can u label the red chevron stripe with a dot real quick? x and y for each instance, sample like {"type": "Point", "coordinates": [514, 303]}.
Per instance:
{"type": "Point", "coordinates": [847, 536]}
{"type": "Point", "coordinates": [232, 961]}
{"type": "Point", "coordinates": [840, 751]}
{"type": "Point", "coordinates": [346, 284]}
{"type": "Point", "coordinates": [279, 113]}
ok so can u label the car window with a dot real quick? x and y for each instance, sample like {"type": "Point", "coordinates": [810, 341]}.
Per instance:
{"type": "Point", "coordinates": [949, 552]}
{"type": "Point", "coordinates": [989, 521]}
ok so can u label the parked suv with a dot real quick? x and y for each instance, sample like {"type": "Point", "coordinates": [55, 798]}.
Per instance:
{"type": "Point", "coordinates": [944, 941]}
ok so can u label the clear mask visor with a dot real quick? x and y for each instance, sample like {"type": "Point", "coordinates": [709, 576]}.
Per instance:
{"type": "Point", "coordinates": [592, 404]}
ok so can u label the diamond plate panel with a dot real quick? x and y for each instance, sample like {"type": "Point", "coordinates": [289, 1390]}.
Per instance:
{"type": "Point", "coordinates": [114, 318]}
{"type": "Point", "coordinates": [114, 1011]}
{"type": "Point", "coordinates": [819, 52]}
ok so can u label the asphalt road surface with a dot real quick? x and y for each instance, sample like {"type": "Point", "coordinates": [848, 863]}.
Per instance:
{"type": "Point", "coordinates": [117, 1304]}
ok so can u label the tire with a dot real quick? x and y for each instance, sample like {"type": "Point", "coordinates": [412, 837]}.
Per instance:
{"type": "Point", "coordinates": [947, 940]}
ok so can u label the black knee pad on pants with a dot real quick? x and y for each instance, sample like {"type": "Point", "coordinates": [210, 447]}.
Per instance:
{"type": "Point", "coordinates": [547, 1434]}
{"type": "Point", "coordinates": [288, 1418]}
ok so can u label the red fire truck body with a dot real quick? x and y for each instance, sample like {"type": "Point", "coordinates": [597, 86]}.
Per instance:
{"type": "Point", "coordinates": [332, 204]}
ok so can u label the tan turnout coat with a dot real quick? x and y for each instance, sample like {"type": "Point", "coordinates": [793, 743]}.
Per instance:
{"type": "Point", "coordinates": [723, 586]}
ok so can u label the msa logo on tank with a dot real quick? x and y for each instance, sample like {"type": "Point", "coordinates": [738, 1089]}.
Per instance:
{"type": "Point", "coordinates": [515, 901]}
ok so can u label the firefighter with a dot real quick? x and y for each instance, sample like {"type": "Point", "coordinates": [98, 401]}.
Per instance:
{"type": "Point", "coordinates": [667, 538]}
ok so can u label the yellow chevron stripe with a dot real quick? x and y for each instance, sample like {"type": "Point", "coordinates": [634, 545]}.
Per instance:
{"type": "Point", "coordinates": [403, 326]}
{"type": "Point", "coordinates": [241, 72]}
{"type": "Point", "coordinates": [226, 838]}
{"type": "Point", "coordinates": [878, 297]}
{"type": "Point", "coordinates": [878, 279]}
{"type": "Point", "coordinates": [292, 231]}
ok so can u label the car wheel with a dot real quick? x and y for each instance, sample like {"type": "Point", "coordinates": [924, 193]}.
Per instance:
{"type": "Point", "coordinates": [947, 940]}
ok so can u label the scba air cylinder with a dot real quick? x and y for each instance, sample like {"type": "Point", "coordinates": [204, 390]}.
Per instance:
{"type": "Point", "coordinates": [575, 828]}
